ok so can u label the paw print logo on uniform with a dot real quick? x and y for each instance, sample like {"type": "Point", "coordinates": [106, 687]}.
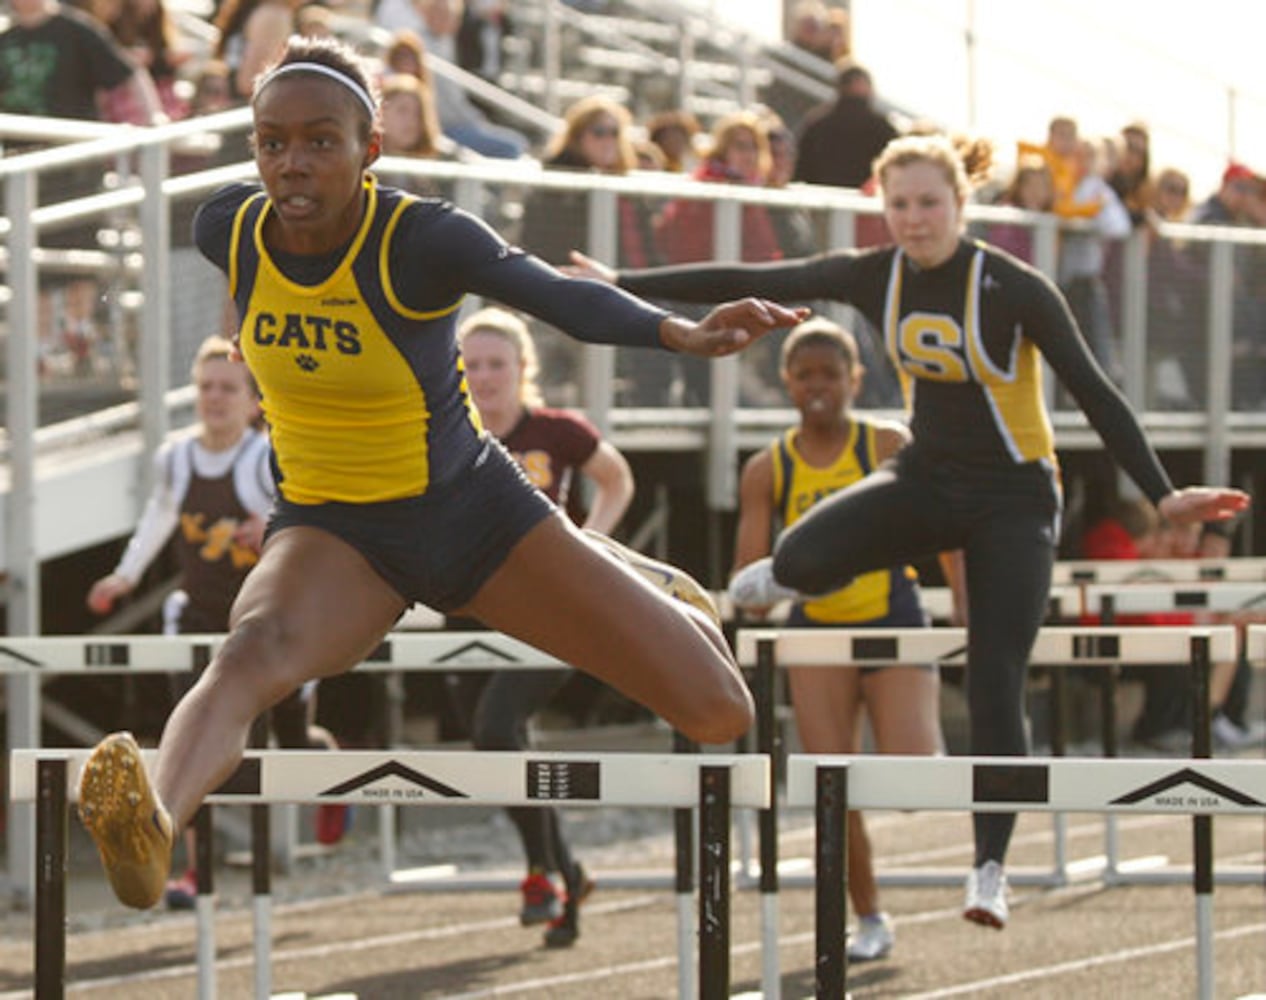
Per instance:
{"type": "Point", "coordinates": [307, 362]}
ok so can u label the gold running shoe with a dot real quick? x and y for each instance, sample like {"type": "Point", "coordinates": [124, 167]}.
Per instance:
{"type": "Point", "coordinates": [131, 828]}
{"type": "Point", "coordinates": [672, 581]}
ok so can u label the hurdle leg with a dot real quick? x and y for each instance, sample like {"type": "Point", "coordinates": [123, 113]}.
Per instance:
{"type": "Point", "coordinates": [714, 883]}
{"type": "Point", "coordinates": [767, 742]}
{"type": "Point", "coordinates": [1108, 735]}
{"type": "Point", "coordinates": [684, 884]}
{"type": "Point", "coordinates": [830, 889]}
{"type": "Point", "coordinates": [262, 901]}
{"type": "Point", "coordinates": [1059, 822]}
{"type": "Point", "coordinates": [51, 831]}
{"type": "Point", "coordinates": [204, 903]}
{"type": "Point", "coordinates": [1202, 826]}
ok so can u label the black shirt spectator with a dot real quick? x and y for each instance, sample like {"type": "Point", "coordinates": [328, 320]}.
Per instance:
{"type": "Point", "coordinates": [840, 141]}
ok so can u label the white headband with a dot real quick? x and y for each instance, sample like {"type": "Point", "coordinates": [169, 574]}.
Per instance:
{"type": "Point", "coordinates": [333, 74]}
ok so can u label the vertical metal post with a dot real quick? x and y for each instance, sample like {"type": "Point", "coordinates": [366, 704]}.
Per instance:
{"type": "Point", "coordinates": [598, 361]}
{"type": "Point", "coordinates": [551, 56]}
{"type": "Point", "coordinates": [204, 849]}
{"type": "Point", "coordinates": [768, 743]}
{"type": "Point", "coordinates": [684, 883]}
{"type": "Point", "coordinates": [830, 887]}
{"type": "Point", "coordinates": [261, 887]}
{"type": "Point", "coordinates": [50, 879]}
{"type": "Point", "coordinates": [1217, 451]}
{"type": "Point", "coordinates": [714, 883]}
{"type": "Point", "coordinates": [1134, 319]}
{"type": "Point", "coordinates": [722, 485]}
{"type": "Point", "coordinates": [155, 347]}
{"type": "Point", "coordinates": [1202, 826]}
{"type": "Point", "coordinates": [1108, 727]}
{"type": "Point", "coordinates": [22, 689]}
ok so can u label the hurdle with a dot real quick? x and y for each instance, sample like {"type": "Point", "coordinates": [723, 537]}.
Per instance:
{"type": "Point", "coordinates": [1106, 600]}
{"type": "Point", "coordinates": [713, 782]}
{"type": "Point", "coordinates": [1242, 569]}
{"type": "Point", "coordinates": [764, 650]}
{"type": "Point", "coordinates": [833, 785]}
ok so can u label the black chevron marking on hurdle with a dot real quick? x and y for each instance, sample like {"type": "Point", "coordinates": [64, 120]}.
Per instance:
{"type": "Point", "coordinates": [1186, 776]}
{"type": "Point", "coordinates": [394, 769]}
{"type": "Point", "coordinates": [477, 646]}
{"type": "Point", "coordinates": [20, 657]}
{"type": "Point", "coordinates": [953, 654]}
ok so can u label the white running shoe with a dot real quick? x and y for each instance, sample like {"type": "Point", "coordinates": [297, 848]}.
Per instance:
{"type": "Point", "coordinates": [873, 938]}
{"type": "Point", "coordinates": [987, 896]}
{"type": "Point", "coordinates": [754, 586]}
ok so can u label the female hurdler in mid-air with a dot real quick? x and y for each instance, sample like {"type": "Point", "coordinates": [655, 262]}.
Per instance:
{"type": "Point", "coordinates": [389, 491]}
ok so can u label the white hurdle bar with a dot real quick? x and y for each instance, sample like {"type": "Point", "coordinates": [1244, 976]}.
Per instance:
{"type": "Point", "coordinates": [399, 651]}
{"type": "Point", "coordinates": [1083, 571]}
{"type": "Point", "coordinates": [713, 782]}
{"type": "Point", "coordinates": [834, 784]}
{"type": "Point", "coordinates": [1055, 646]}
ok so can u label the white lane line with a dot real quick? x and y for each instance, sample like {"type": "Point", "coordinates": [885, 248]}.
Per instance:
{"type": "Point", "coordinates": [1081, 964]}
{"type": "Point", "coordinates": [331, 948]}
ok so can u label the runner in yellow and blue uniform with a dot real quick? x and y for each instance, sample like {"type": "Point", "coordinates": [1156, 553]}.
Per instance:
{"type": "Point", "coordinates": [832, 447]}
{"type": "Point", "coordinates": [389, 491]}
{"type": "Point", "coordinates": [966, 325]}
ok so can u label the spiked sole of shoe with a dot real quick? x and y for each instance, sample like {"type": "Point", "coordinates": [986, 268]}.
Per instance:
{"type": "Point", "coordinates": [118, 808]}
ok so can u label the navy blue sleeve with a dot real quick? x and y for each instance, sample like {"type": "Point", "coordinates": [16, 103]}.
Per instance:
{"type": "Point", "coordinates": [1049, 323]}
{"type": "Point", "coordinates": [213, 222]}
{"type": "Point", "coordinates": [826, 276]}
{"type": "Point", "coordinates": [440, 253]}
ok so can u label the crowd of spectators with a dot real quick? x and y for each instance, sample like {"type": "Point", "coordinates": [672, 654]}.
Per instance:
{"type": "Point", "coordinates": [133, 65]}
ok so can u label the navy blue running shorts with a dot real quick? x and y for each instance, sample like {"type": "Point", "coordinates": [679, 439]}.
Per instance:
{"type": "Point", "coordinates": [439, 548]}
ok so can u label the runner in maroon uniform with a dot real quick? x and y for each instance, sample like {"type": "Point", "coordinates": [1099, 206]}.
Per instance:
{"type": "Point", "coordinates": [555, 448]}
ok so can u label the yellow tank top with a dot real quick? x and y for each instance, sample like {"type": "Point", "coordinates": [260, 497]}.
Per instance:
{"type": "Point", "coordinates": [366, 400]}
{"type": "Point", "coordinates": [798, 486]}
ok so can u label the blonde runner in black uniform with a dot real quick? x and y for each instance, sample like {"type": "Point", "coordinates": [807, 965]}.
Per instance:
{"type": "Point", "coordinates": [966, 326]}
{"type": "Point", "coordinates": [389, 491]}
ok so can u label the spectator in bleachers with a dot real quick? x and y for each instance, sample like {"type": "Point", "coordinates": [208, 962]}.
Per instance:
{"type": "Point", "coordinates": [1082, 256]}
{"type": "Point", "coordinates": [794, 228]}
{"type": "Point", "coordinates": [148, 34]}
{"type": "Point", "coordinates": [485, 23]}
{"type": "Point", "coordinates": [739, 155]}
{"type": "Point", "coordinates": [314, 20]}
{"type": "Point", "coordinates": [252, 34]}
{"type": "Point", "coordinates": [1229, 204]}
{"type": "Point", "coordinates": [1234, 204]}
{"type": "Point", "coordinates": [59, 62]}
{"type": "Point", "coordinates": [56, 61]}
{"type": "Point", "coordinates": [1031, 189]}
{"type": "Point", "coordinates": [839, 142]}
{"type": "Point", "coordinates": [1176, 302]}
{"type": "Point", "coordinates": [807, 30]}
{"type": "Point", "coordinates": [436, 23]}
{"type": "Point", "coordinates": [1062, 152]}
{"type": "Point", "coordinates": [597, 136]}
{"type": "Point", "coordinates": [675, 133]}
{"type": "Point", "coordinates": [410, 128]}
{"type": "Point", "coordinates": [1131, 176]}
{"type": "Point", "coordinates": [406, 53]}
